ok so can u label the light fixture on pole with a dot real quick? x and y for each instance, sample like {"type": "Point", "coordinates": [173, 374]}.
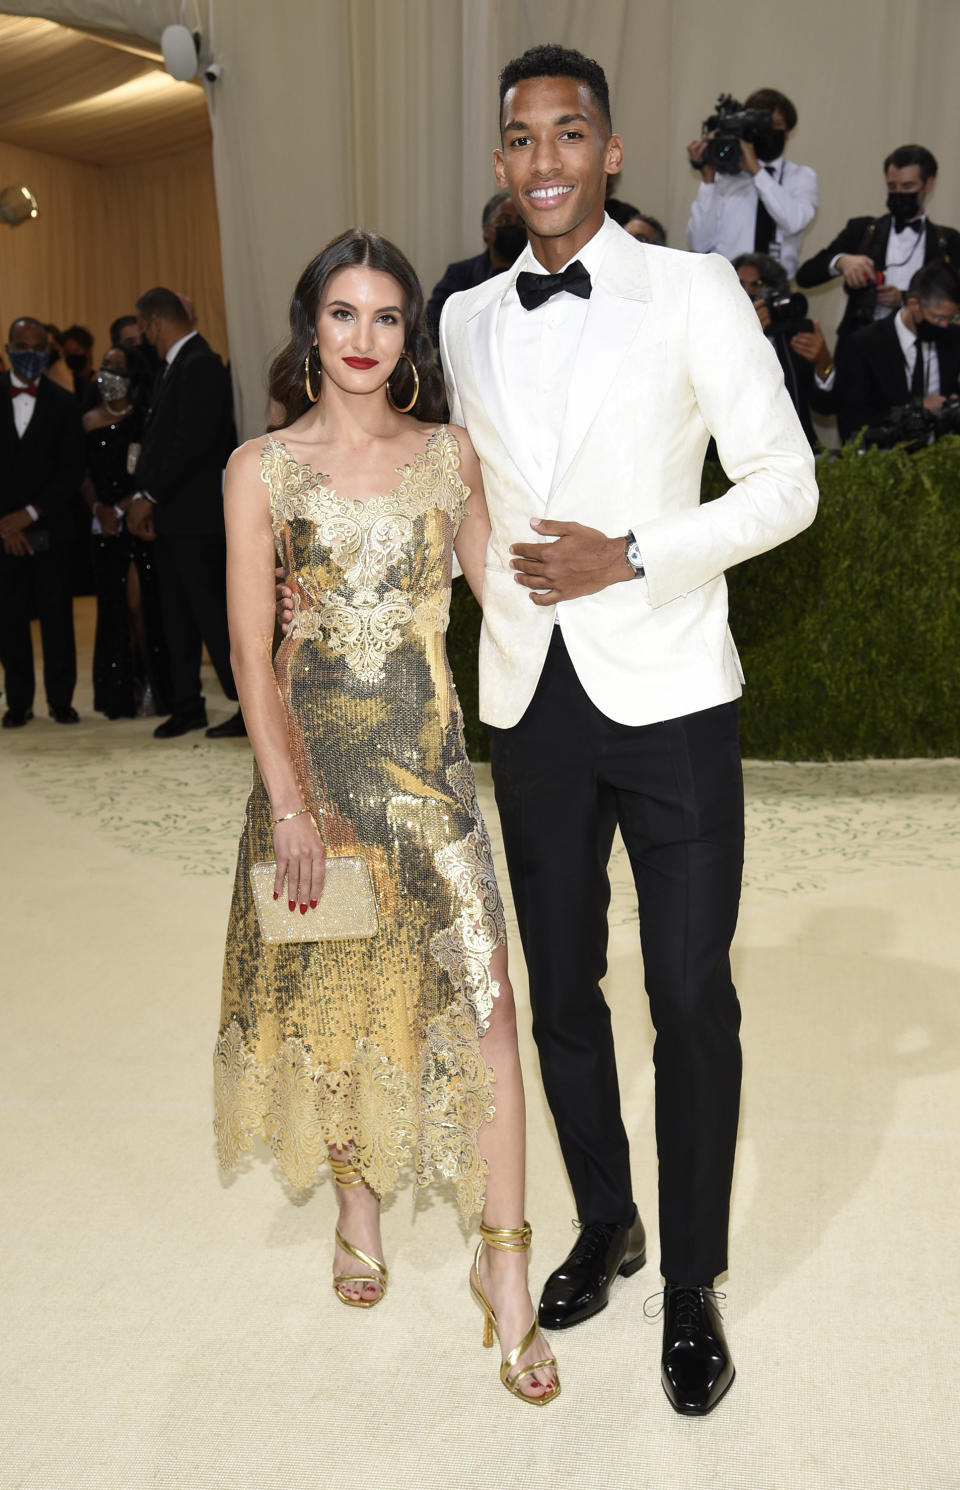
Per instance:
{"type": "Point", "coordinates": [183, 55]}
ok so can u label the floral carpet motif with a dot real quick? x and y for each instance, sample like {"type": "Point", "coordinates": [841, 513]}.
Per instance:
{"type": "Point", "coordinates": [183, 802]}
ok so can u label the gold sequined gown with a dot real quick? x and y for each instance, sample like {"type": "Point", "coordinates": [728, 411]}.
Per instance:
{"type": "Point", "coordinates": [373, 1044]}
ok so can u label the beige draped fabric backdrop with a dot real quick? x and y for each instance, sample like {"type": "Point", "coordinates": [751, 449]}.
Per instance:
{"type": "Point", "coordinates": [383, 112]}
{"type": "Point", "coordinates": [107, 235]}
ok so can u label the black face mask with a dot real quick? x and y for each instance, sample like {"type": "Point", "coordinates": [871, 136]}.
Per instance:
{"type": "Point", "coordinates": [509, 240]}
{"type": "Point", "coordinates": [903, 205]}
{"type": "Point", "coordinates": [769, 144]}
{"type": "Point", "coordinates": [76, 361]}
{"type": "Point", "coordinates": [927, 331]}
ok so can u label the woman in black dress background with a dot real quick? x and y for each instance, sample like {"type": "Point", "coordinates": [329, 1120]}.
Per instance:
{"type": "Point", "coordinates": [130, 670]}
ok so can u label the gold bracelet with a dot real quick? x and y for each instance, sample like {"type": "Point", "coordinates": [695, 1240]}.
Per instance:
{"type": "Point", "coordinates": [826, 372]}
{"type": "Point", "coordinates": [288, 815]}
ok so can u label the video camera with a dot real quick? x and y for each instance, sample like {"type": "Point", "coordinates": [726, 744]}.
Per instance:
{"type": "Point", "coordinates": [914, 426]}
{"type": "Point", "coordinates": [730, 124]}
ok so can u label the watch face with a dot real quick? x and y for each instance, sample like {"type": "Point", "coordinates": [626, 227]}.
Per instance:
{"type": "Point", "coordinates": [633, 556]}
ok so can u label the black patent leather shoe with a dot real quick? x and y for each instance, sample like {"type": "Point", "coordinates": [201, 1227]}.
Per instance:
{"type": "Point", "coordinates": [696, 1366]}
{"type": "Point", "coordinates": [580, 1287]}
{"type": "Point", "coordinates": [181, 724]}
{"type": "Point", "coordinates": [17, 718]}
{"type": "Point", "coordinates": [231, 729]}
{"type": "Point", "coordinates": [67, 715]}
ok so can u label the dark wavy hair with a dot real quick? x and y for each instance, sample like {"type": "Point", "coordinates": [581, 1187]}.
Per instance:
{"type": "Point", "coordinates": [357, 247]}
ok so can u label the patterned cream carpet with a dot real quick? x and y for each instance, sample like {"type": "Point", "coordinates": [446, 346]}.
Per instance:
{"type": "Point", "coordinates": [162, 1328]}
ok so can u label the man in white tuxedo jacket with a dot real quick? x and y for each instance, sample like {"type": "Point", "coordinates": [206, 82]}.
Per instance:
{"type": "Point", "coordinates": [590, 377]}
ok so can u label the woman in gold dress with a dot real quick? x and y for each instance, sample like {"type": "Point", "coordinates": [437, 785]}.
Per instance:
{"type": "Point", "coordinates": [396, 1049]}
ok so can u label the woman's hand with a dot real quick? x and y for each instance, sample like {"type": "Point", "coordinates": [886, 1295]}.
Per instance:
{"type": "Point", "coordinates": [301, 860]}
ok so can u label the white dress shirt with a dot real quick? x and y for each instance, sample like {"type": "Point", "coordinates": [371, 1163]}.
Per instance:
{"type": "Point", "coordinates": [537, 352]}
{"type": "Point", "coordinates": [23, 405]}
{"type": "Point", "coordinates": [931, 362]}
{"type": "Point", "coordinates": [723, 214]}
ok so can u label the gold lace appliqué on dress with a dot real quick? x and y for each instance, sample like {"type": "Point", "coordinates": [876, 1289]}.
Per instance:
{"type": "Point", "coordinates": [364, 620]}
{"type": "Point", "coordinates": [375, 1046]}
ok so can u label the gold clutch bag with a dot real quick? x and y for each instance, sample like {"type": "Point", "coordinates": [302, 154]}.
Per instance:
{"type": "Point", "coordinates": [347, 908]}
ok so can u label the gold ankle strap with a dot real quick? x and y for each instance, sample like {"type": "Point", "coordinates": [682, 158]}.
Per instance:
{"type": "Point", "coordinates": [508, 1239]}
{"type": "Point", "coordinates": [345, 1173]}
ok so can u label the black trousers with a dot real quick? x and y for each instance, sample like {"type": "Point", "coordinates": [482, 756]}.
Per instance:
{"type": "Point", "coordinates": [565, 777]}
{"type": "Point", "coordinates": [37, 585]}
{"type": "Point", "coordinates": [192, 575]}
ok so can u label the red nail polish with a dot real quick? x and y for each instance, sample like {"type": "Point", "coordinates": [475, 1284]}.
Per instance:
{"type": "Point", "coordinates": [303, 910]}
{"type": "Point", "coordinates": [292, 904]}
{"type": "Point", "coordinates": [313, 905]}
{"type": "Point", "coordinates": [276, 894]}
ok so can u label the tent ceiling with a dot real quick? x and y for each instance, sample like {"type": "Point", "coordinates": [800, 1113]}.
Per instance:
{"type": "Point", "coordinates": [68, 93]}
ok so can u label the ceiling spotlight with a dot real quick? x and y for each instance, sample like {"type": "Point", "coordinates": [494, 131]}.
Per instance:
{"type": "Point", "coordinates": [17, 204]}
{"type": "Point", "coordinates": [181, 52]}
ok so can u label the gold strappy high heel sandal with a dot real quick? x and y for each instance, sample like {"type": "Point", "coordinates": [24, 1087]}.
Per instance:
{"type": "Point", "coordinates": [510, 1239]}
{"type": "Point", "coordinates": [346, 1176]}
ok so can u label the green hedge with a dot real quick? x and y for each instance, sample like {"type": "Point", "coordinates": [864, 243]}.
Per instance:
{"type": "Point", "coordinates": [850, 634]}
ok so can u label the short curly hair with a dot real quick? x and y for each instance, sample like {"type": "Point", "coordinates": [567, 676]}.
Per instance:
{"type": "Point", "coordinates": [554, 61]}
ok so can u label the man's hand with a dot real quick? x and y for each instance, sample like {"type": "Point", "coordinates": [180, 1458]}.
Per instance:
{"type": "Point", "coordinates": [15, 522]}
{"type": "Point", "coordinates": [17, 545]}
{"type": "Point", "coordinates": [695, 151]}
{"type": "Point", "coordinates": [889, 295]}
{"type": "Point", "coordinates": [812, 347]}
{"type": "Point", "coordinates": [580, 561]}
{"type": "Point", "coordinates": [748, 157]}
{"type": "Point", "coordinates": [934, 402]}
{"type": "Point", "coordinates": [763, 313]}
{"type": "Point", "coordinates": [857, 270]}
{"type": "Point", "coordinates": [284, 601]}
{"type": "Point", "coordinates": [107, 518]}
{"type": "Point", "coordinates": [140, 519]}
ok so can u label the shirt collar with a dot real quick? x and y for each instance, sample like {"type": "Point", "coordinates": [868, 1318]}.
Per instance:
{"type": "Point", "coordinates": [905, 336]}
{"type": "Point", "coordinates": [591, 255]}
{"type": "Point", "coordinates": [19, 382]}
{"type": "Point", "coordinates": [920, 217]}
{"type": "Point", "coordinates": [177, 346]}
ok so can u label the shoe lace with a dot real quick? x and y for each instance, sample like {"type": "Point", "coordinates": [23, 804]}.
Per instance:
{"type": "Point", "coordinates": [593, 1239]}
{"type": "Point", "coordinates": [687, 1302]}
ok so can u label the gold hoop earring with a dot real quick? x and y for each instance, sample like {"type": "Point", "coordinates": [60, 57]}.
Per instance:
{"type": "Point", "coordinates": [416, 386]}
{"type": "Point", "coordinates": [306, 378]}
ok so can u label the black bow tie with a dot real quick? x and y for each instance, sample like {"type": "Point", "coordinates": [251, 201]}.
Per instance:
{"type": "Point", "coordinates": [916, 223]}
{"type": "Point", "coordinates": [537, 289]}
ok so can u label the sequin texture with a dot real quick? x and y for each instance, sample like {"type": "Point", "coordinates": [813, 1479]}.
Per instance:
{"type": "Point", "coordinates": [372, 1044]}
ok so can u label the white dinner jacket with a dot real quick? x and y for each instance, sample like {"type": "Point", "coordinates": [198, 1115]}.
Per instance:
{"type": "Point", "coordinates": [671, 352]}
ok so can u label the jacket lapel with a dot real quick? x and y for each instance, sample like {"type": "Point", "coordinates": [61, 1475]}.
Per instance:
{"type": "Point", "coordinates": [487, 366]}
{"type": "Point", "coordinates": [617, 307]}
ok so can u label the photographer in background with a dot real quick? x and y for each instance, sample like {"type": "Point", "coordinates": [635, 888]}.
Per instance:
{"type": "Point", "coordinates": [638, 224]}
{"type": "Point", "coordinates": [908, 361]}
{"type": "Point", "coordinates": [505, 238]}
{"type": "Point", "coordinates": [799, 343]}
{"type": "Point", "coordinates": [877, 257]}
{"type": "Point", "coordinates": [751, 199]}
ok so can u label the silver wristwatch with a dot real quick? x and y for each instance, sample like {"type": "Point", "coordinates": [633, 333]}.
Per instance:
{"type": "Point", "coordinates": [632, 555]}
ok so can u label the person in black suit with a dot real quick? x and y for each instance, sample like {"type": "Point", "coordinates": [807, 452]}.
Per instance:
{"type": "Point", "coordinates": [179, 500]}
{"type": "Point", "coordinates": [504, 236]}
{"type": "Point", "coordinates": [41, 467]}
{"type": "Point", "coordinates": [914, 355]}
{"type": "Point", "coordinates": [877, 257]}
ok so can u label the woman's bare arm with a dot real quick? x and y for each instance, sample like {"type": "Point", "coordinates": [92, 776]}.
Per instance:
{"type": "Point", "coordinates": [470, 544]}
{"type": "Point", "coordinates": [250, 613]}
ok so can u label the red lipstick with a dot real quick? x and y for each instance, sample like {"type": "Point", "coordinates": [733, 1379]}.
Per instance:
{"type": "Point", "coordinates": [363, 363]}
